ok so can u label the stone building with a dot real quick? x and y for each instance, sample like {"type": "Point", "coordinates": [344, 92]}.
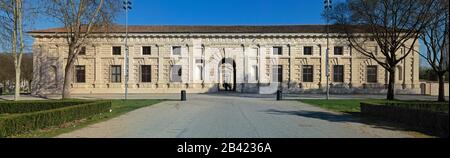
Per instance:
{"type": "Point", "coordinates": [199, 59]}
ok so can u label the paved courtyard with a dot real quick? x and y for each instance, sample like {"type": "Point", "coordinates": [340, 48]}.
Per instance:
{"type": "Point", "coordinates": [231, 116]}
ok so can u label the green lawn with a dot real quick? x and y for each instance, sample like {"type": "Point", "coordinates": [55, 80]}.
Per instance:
{"type": "Point", "coordinates": [339, 105]}
{"type": "Point", "coordinates": [119, 107]}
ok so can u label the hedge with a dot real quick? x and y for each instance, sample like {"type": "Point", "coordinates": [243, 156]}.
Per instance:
{"type": "Point", "coordinates": [12, 107]}
{"type": "Point", "coordinates": [428, 117]}
{"type": "Point", "coordinates": [21, 123]}
{"type": "Point", "coordinates": [428, 106]}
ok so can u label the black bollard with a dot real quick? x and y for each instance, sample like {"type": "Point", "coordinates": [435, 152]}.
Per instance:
{"type": "Point", "coordinates": [1, 90]}
{"type": "Point", "coordinates": [183, 95]}
{"type": "Point", "coordinates": [279, 95]}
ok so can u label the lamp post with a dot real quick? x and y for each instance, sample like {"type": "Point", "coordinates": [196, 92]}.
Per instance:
{"type": "Point", "coordinates": [328, 6]}
{"type": "Point", "coordinates": [126, 6]}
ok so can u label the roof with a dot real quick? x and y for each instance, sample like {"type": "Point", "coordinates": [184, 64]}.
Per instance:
{"type": "Point", "coordinates": [213, 29]}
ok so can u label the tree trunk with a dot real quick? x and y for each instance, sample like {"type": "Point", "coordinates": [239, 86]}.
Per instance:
{"type": "Point", "coordinates": [441, 96]}
{"type": "Point", "coordinates": [68, 73]}
{"type": "Point", "coordinates": [29, 86]}
{"type": "Point", "coordinates": [17, 85]}
{"type": "Point", "coordinates": [67, 80]}
{"type": "Point", "coordinates": [391, 85]}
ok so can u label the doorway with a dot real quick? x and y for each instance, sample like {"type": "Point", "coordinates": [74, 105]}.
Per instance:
{"type": "Point", "coordinates": [227, 75]}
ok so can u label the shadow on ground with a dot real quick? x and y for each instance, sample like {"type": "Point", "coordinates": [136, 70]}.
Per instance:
{"type": "Point", "coordinates": [353, 117]}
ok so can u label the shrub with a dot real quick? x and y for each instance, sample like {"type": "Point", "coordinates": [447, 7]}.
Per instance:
{"type": "Point", "coordinates": [21, 123]}
{"type": "Point", "coordinates": [12, 107]}
{"type": "Point", "coordinates": [427, 106]}
{"type": "Point", "coordinates": [431, 117]}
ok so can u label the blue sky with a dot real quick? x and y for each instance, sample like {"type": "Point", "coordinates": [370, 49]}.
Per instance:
{"type": "Point", "coordinates": [220, 12]}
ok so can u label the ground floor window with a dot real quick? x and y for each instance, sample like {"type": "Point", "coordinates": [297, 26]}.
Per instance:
{"type": "Point", "coordinates": [372, 74]}
{"type": "Point", "coordinates": [255, 72]}
{"type": "Point", "coordinates": [80, 74]}
{"type": "Point", "coordinates": [146, 73]}
{"type": "Point", "coordinates": [338, 73]}
{"type": "Point", "coordinates": [116, 71]}
{"type": "Point", "coordinates": [175, 73]}
{"type": "Point", "coordinates": [400, 73]}
{"type": "Point", "coordinates": [199, 72]}
{"type": "Point", "coordinates": [277, 73]}
{"type": "Point", "coordinates": [307, 73]}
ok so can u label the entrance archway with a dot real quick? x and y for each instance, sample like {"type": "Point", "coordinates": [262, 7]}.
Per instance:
{"type": "Point", "coordinates": [227, 74]}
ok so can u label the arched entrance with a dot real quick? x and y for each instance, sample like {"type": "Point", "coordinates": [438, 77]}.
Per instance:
{"type": "Point", "coordinates": [227, 74]}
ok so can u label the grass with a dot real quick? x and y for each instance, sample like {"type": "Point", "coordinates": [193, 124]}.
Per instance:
{"type": "Point", "coordinates": [119, 107]}
{"type": "Point", "coordinates": [339, 105]}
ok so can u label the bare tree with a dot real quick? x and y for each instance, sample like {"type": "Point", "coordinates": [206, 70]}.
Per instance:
{"type": "Point", "coordinates": [13, 20]}
{"type": "Point", "coordinates": [435, 38]}
{"type": "Point", "coordinates": [393, 24]}
{"type": "Point", "coordinates": [79, 18]}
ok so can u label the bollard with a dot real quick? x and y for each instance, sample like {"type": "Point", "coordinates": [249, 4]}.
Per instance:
{"type": "Point", "coordinates": [279, 95]}
{"type": "Point", "coordinates": [1, 90]}
{"type": "Point", "coordinates": [183, 95]}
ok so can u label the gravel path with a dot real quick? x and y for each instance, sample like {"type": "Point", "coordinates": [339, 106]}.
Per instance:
{"type": "Point", "coordinates": [214, 116]}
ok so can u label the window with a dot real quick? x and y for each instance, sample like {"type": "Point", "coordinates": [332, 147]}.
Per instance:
{"type": "Point", "coordinates": [307, 73]}
{"type": "Point", "coordinates": [146, 50]}
{"type": "Point", "coordinates": [255, 72]}
{"type": "Point", "coordinates": [400, 73]}
{"type": "Point", "coordinates": [116, 50]}
{"type": "Point", "coordinates": [175, 73]}
{"type": "Point", "coordinates": [372, 74]}
{"type": "Point", "coordinates": [116, 73]}
{"type": "Point", "coordinates": [338, 73]}
{"type": "Point", "coordinates": [200, 72]}
{"type": "Point", "coordinates": [307, 50]}
{"type": "Point", "coordinates": [338, 50]}
{"type": "Point", "coordinates": [176, 50]}
{"type": "Point", "coordinates": [277, 50]}
{"type": "Point", "coordinates": [82, 51]}
{"type": "Point", "coordinates": [146, 73]}
{"type": "Point", "coordinates": [199, 61]}
{"type": "Point", "coordinates": [80, 74]}
{"type": "Point", "coordinates": [277, 73]}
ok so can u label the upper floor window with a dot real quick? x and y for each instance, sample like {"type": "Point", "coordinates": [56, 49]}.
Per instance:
{"type": "Point", "coordinates": [307, 73]}
{"type": "Point", "coordinates": [338, 73]}
{"type": "Point", "coordinates": [277, 50]}
{"type": "Point", "coordinates": [338, 50]}
{"type": "Point", "coordinates": [82, 51]}
{"type": "Point", "coordinates": [116, 50]}
{"type": "Point", "coordinates": [176, 50]}
{"type": "Point", "coordinates": [307, 50]}
{"type": "Point", "coordinates": [80, 74]}
{"type": "Point", "coordinates": [372, 74]}
{"type": "Point", "coordinates": [146, 50]}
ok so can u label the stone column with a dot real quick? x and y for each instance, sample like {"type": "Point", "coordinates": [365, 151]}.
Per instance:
{"type": "Point", "coordinates": [191, 60]}
{"type": "Point", "coordinates": [160, 65]}
{"type": "Point", "coordinates": [323, 71]}
{"type": "Point", "coordinates": [97, 68]}
{"type": "Point", "coordinates": [131, 70]}
{"type": "Point", "coordinates": [291, 66]}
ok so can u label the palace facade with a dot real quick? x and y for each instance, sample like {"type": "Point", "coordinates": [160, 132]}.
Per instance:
{"type": "Point", "coordinates": [200, 59]}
